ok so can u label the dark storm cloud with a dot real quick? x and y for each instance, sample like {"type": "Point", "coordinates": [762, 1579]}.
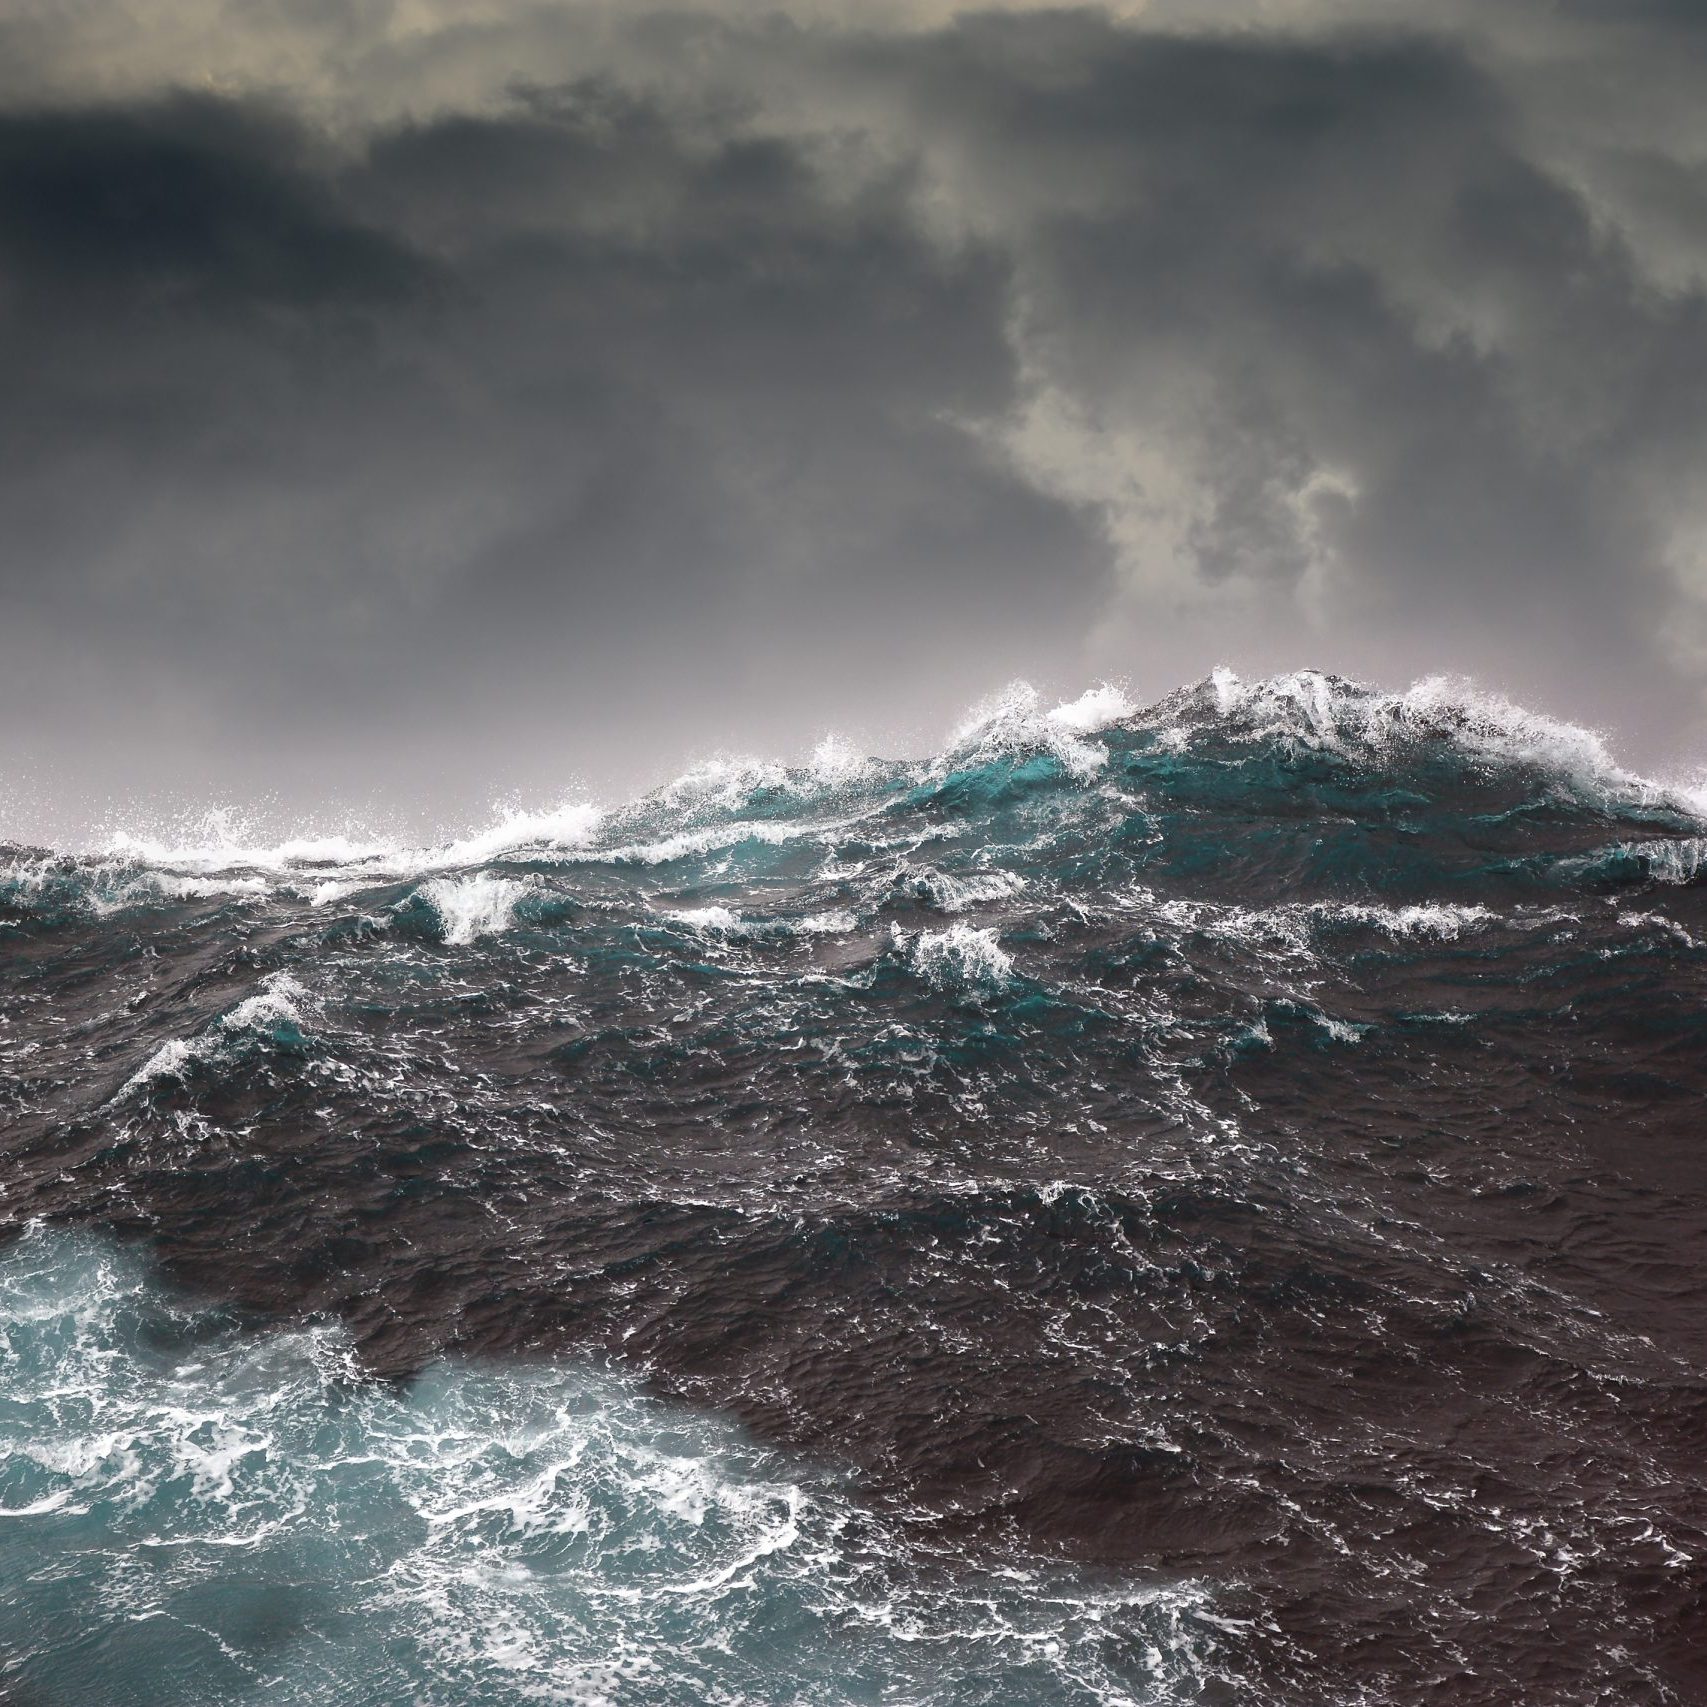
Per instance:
{"type": "Point", "coordinates": [707, 377]}
{"type": "Point", "coordinates": [1365, 278]}
{"type": "Point", "coordinates": [560, 411]}
{"type": "Point", "coordinates": [192, 199]}
{"type": "Point", "coordinates": [1400, 368]}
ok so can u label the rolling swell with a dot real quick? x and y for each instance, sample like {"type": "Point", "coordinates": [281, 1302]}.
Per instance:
{"type": "Point", "coordinates": [1250, 1141]}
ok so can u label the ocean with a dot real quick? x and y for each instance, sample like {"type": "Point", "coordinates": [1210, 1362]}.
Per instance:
{"type": "Point", "coordinates": [1199, 1202]}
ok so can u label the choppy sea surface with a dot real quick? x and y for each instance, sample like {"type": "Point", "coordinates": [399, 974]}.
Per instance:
{"type": "Point", "coordinates": [1203, 1202]}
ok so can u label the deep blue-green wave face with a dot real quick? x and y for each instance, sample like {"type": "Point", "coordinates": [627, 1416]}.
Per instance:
{"type": "Point", "coordinates": [1190, 1203]}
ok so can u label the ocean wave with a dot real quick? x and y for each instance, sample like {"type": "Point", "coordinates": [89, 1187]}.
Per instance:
{"type": "Point", "coordinates": [274, 1014]}
{"type": "Point", "coordinates": [723, 805]}
{"type": "Point", "coordinates": [718, 921]}
{"type": "Point", "coordinates": [1323, 712]}
{"type": "Point", "coordinates": [223, 841]}
{"type": "Point", "coordinates": [1016, 724]}
{"type": "Point", "coordinates": [1679, 861]}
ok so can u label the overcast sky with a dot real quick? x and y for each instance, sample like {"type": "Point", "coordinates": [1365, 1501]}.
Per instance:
{"type": "Point", "coordinates": [417, 402]}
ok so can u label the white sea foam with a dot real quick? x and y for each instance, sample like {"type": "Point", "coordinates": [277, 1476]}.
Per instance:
{"type": "Point", "coordinates": [714, 921]}
{"type": "Point", "coordinates": [946, 893]}
{"type": "Point", "coordinates": [1292, 927]}
{"type": "Point", "coordinates": [476, 906]}
{"type": "Point", "coordinates": [277, 1002]}
{"type": "Point", "coordinates": [1015, 722]}
{"type": "Point", "coordinates": [832, 922]}
{"type": "Point", "coordinates": [516, 1532]}
{"type": "Point", "coordinates": [1677, 861]}
{"type": "Point", "coordinates": [1340, 1030]}
{"type": "Point", "coordinates": [726, 783]}
{"type": "Point", "coordinates": [221, 841]}
{"type": "Point", "coordinates": [717, 921]}
{"type": "Point", "coordinates": [684, 844]}
{"type": "Point", "coordinates": [169, 1061]}
{"type": "Point", "coordinates": [722, 782]}
{"type": "Point", "coordinates": [570, 826]}
{"type": "Point", "coordinates": [174, 887]}
{"type": "Point", "coordinates": [1095, 710]}
{"type": "Point", "coordinates": [836, 763]}
{"type": "Point", "coordinates": [1436, 919]}
{"type": "Point", "coordinates": [105, 886]}
{"type": "Point", "coordinates": [332, 889]}
{"type": "Point", "coordinates": [959, 955]}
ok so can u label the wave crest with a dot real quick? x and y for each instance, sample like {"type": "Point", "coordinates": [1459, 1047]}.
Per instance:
{"type": "Point", "coordinates": [1106, 759]}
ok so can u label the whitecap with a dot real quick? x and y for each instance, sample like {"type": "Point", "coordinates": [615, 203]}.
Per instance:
{"type": "Point", "coordinates": [569, 826]}
{"type": "Point", "coordinates": [1015, 722]}
{"type": "Point", "coordinates": [961, 954]}
{"type": "Point", "coordinates": [1675, 862]}
{"type": "Point", "coordinates": [1328, 712]}
{"type": "Point", "coordinates": [946, 893]}
{"type": "Point", "coordinates": [714, 921]}
{"type": "Point", "coordinates": [277, 1005]}
{"type": "Point", "coordinates": [475, 906]}
{"type": "Point", "coordinates": [722, 921]}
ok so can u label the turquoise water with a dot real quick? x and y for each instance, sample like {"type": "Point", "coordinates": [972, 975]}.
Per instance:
{"type": "Point", "coordinates": [193, 1510]}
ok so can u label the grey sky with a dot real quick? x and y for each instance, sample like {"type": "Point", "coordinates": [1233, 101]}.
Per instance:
{"type": "Point", "coordinates": [411, 403]}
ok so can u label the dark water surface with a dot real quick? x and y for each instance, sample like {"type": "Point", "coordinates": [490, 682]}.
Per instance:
{"type": "Point", "coordinates": [1206, 1203]}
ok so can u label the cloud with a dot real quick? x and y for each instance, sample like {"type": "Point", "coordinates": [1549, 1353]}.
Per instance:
{"type": "Point", "coordinates": [543, 423]}
{"type": "Point", "coordinates": [494, 395]}
{"type": "Point", "coordinates": [1363, 364]}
